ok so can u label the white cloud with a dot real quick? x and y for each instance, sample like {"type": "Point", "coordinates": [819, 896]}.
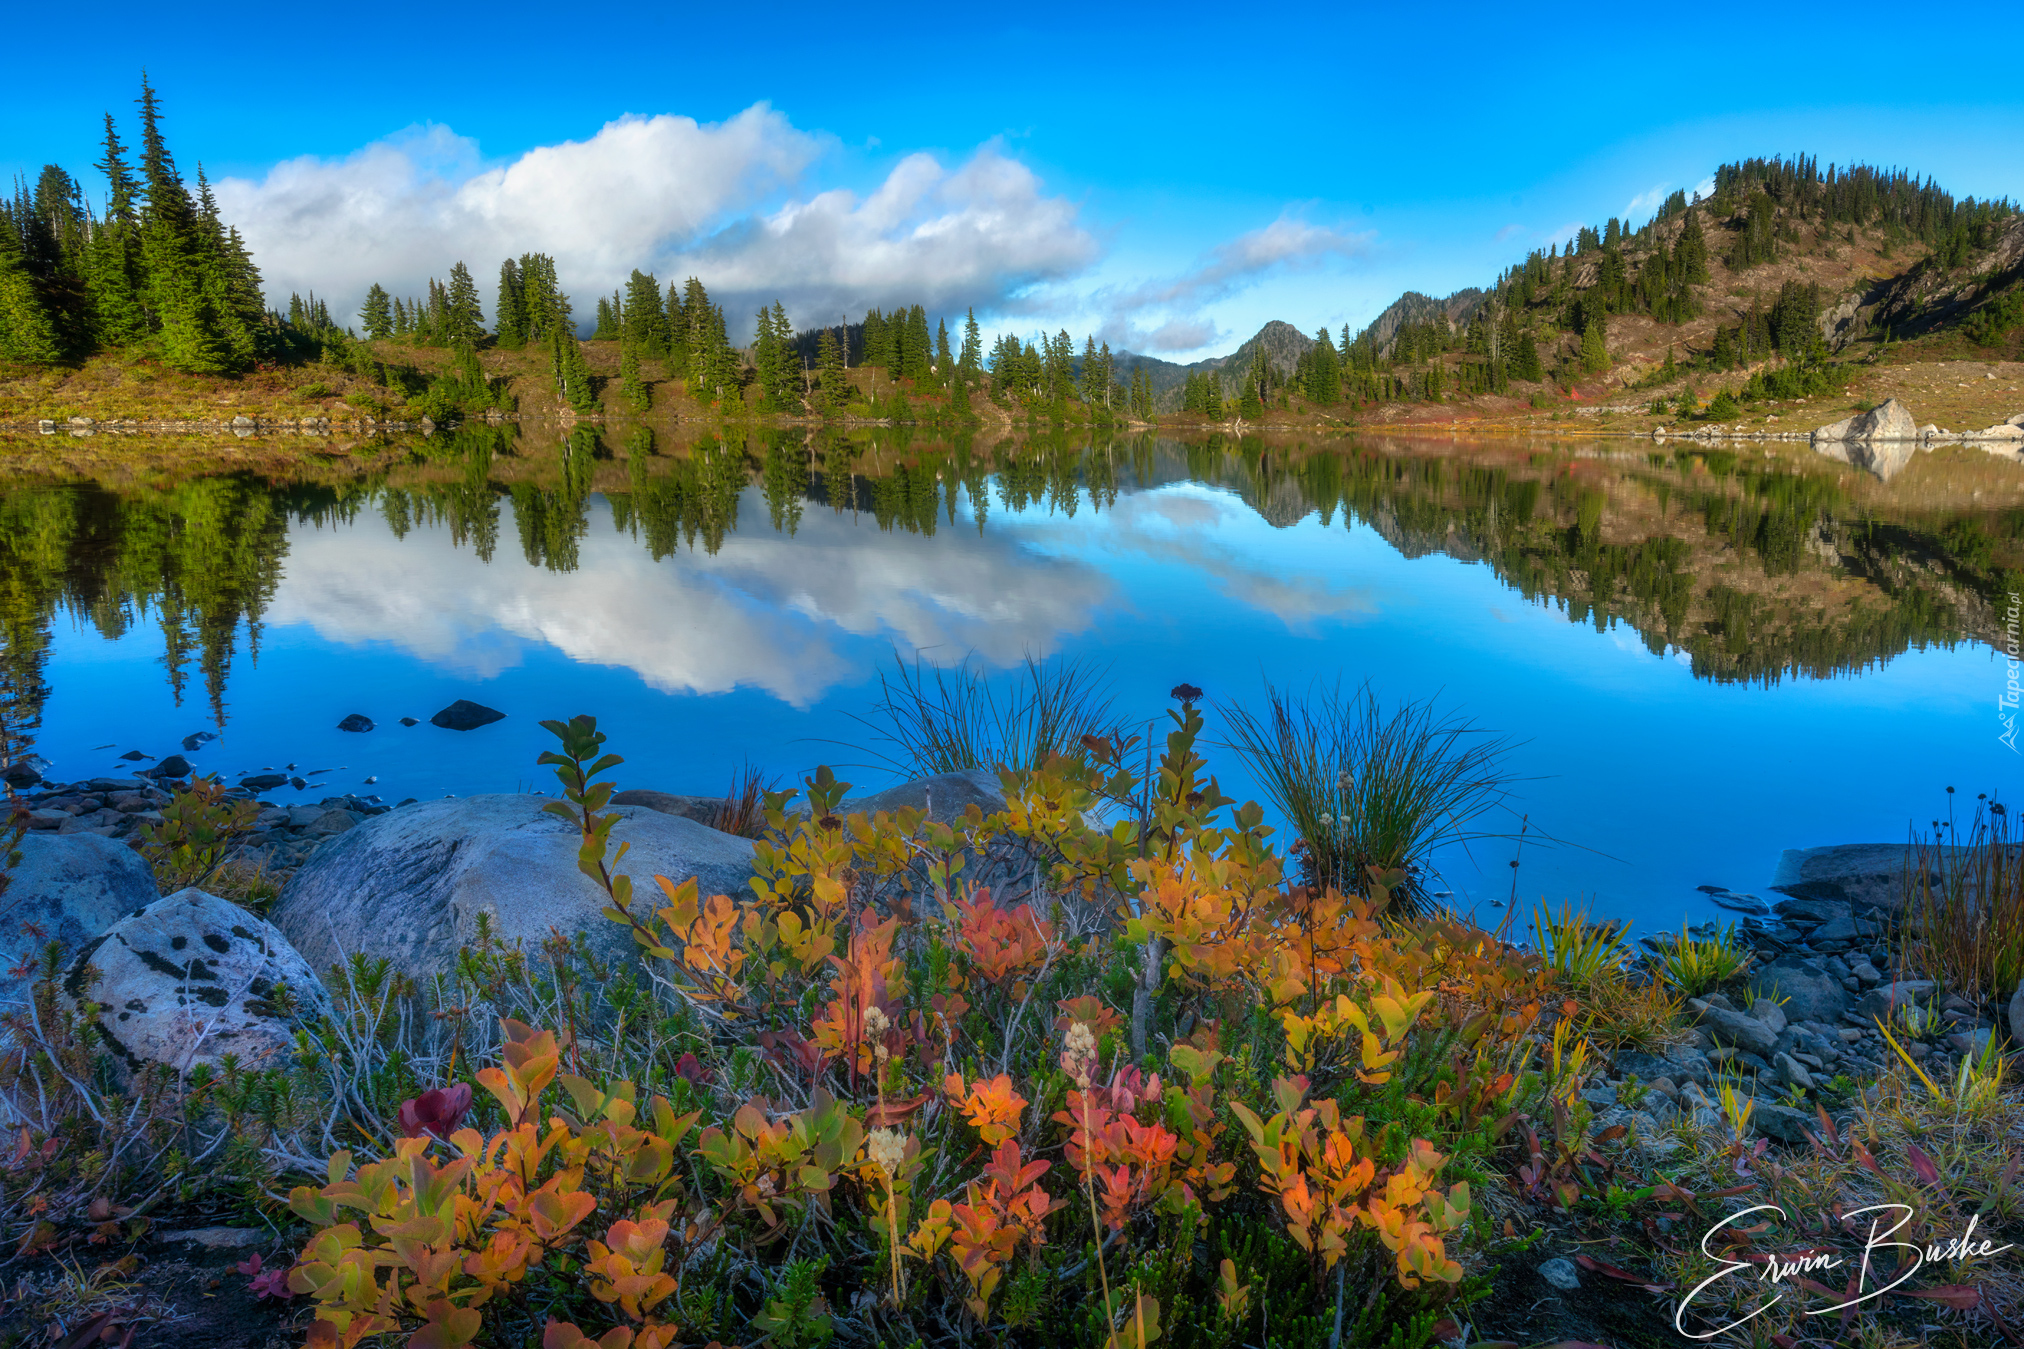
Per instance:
{"type": "Point", "coordinates": [1703, 189]}
{"type": "Point", "coordinates": [1645, 203]}
{"type": "Point", "coordinates": [1165, 314]}
{"type": "Point", "coordinates": [786, 615]}
{"type": "Point", "coordinates": [665, 194]}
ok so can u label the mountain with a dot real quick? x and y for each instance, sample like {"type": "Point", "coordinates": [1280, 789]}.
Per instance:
{"type": "Point", "coordinates": [1284, 346]}
{"type": "Point", "coordinates": [1413, 307]}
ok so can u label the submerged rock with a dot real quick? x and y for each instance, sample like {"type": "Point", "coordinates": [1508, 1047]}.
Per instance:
{"type": "Point", "coordinates": [465, 715]}
{"type": "Point", "coordinates": [357, 721]}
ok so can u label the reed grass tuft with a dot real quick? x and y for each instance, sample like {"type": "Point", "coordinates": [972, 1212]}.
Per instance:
{"type": "Point", "coordinates": [1370, 789]}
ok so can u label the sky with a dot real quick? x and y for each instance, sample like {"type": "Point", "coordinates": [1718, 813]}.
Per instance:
{"type": "Point", "coordinates": [1168, 178]}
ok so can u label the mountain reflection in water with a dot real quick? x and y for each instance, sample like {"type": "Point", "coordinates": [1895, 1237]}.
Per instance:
{"type": "Point", "coordinates": [1674, 633]}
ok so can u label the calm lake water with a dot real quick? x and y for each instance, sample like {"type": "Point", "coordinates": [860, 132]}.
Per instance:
{"type": "Point", "coordinates": [1707, 659]}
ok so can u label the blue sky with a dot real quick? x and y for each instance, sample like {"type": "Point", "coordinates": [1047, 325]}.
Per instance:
{"type": "Point", "coordinates": [1170, 177]}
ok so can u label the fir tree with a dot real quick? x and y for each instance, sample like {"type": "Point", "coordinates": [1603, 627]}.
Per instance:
{"type": "Point", "coordinates": [463, 320]}
{"type": "Point", "coordinates": [1324, 371]}
{"type": "Point", "coordinates": [970, 363]}
{"type": "Point", "coordinates": [1525, 365]}
{"type": "Point", "coordinates": [172, 259]}
{"type": "Point", "coordinates": [944, 362]}
{"type": "Point", "coordinates": [832, 378]}
{"type": "Point", "coordinates": [377, 314]}
{"type": "Point", "coordinates": [113, 266]}
{"type": "Point", "coordinates": [511, 312]}
{"type": "Point", "coordinates": [573, 384]}
{"type": "Point", "coordinates": [632, 391]}
{"type": "Point", "coordinates": [26, 331]}
{"type": "Point", "coordinates": [1594, 346]}
{"type": "Point", "coordinates": [646, 321]}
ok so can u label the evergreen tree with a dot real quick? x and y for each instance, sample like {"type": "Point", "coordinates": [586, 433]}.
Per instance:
{"type": "Point", "coordinates": [511, 312]}
{"type": "Point", "coordinates": [631, 390]}
{"type": "Point", "coordinates": [1525, 365]}
{"type": "Point", "coordinates": [1594, 347]}
{"type": "Point", "coordinates": [918, 354]}
{"type": "Point", "coordinates": [377, 315]}
{"type": "Point", "coordinates": [610, 319]}
{"type": "Point", "coordinates": [463, 319]}
{"type": "Point", "coordinates": [544, 305]}
{"type": "Point", "coordinates": [113, 267]}
{"type": "Point", "coordinates": [646, 322]}
{"type": "Point", "coordinates": [1324, 371]}
{"type": "Point", "coordinates": [26, 330]}
{"type": "Point", "coordinates": [184, 306]}
{"type": "Point", "coordinates": [833, 379]}
{"type": "Point", "coordinates": [1212, 396]}
{"type": "Point", "coordinates": [945, 363]}
{"type": "Point", "coordinates": [971, 362]}
{"type": "Point", "coordinates": [573, 384]}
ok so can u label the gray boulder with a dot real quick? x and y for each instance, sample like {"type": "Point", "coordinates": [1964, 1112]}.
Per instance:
{"type": "Point", "coordinates": [1890, 420]}
{"type": "Point", "coordinates": [1782, 1122]}
{"type": "Point", "coordinates": [1865, 876]}
{"type": "Point", "coordinates": [945, 796]}
{"type": "Point", "coordinates": [69, 888]}
{"type": "Point", "coordinates": [1884, 998]}
{"type": "Point", "coordinates": [1811, 992]}
{"type": "Point", "coordinates": [192, 978]}
{"type": "Point", "coordinates": [1770, 1013]}
{"type": "Point", "coordinates": [409, 885]}
{"type": "Point", "coordinates": [2016, 1014]}
{"type": "Point", "coordinates": [702, 809]}
{"type": "Point", "coordinates": [1735, 1028]}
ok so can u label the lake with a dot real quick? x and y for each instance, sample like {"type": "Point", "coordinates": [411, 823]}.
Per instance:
{"type": "Point", "coordinates": [1705, 656]}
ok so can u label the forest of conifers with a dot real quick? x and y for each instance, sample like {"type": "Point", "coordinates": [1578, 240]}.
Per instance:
{"type": "Point", "coordinates": [150, 266]}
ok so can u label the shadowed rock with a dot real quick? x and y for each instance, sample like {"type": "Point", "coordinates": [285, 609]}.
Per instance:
{"type": "Point", "coordinates": [72, 887]}
{"type": "Point", "coordinates": [410, 885]}
{"type": "Point", "coordinates": [465, 715]}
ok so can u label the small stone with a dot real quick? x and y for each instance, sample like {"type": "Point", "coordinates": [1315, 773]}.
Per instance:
{"type": "Point", "coordinates": [357, 721]}
{"type": "Point", "coordinates": [409, 721]}
{"type": "Point", "coordinates": [135, 756]}
{"type": "Point", "coordinates": [221, 1238]}
{"type": "Point", "coordinates": [175, 766]}
{"type": "Point", "coordinates": [1770, 1013]}
{"type": "Point", "coordinates": [1561, 1274]}
{"type": "Point", "coordinates": [1793, 1071]}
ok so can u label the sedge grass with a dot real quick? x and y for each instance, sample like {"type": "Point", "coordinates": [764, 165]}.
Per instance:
{"type": "Point", "coordinates": [1964, 897]}
{"type": "Point", "coordinates": [934, 719]}
{"type": "Point", "coordinates": [1370, 790]}
{"type": "Point", "coordinates": [1697, 966]}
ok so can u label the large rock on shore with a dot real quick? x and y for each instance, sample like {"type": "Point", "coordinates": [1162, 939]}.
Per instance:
{"type": "Point", "coordinates": [409, 885]}
{"type": "Point", "coordinates": [1866, 876]}
{"type": "Point", "coordinates": [704, 810]}
{"type": "Point", "coordinates": [1890, 420]}
{"type": "Point", "coordinates": [70, 888]}
{"type": "Point", "coordinates": [945, 796]}
{"type": "Point", "coordinates": [192, 978]}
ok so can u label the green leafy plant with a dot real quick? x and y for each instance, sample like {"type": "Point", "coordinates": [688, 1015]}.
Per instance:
{"type": "Point", "coordinates": [1584, 953]}
{"type": "Point", "coordinates": [197, 829]}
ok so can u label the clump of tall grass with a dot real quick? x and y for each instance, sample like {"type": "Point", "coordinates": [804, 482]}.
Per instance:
{"type": "Point", "coordinates": [934, 719]}
{"type": "Point", "coordinates": [743, 811]}
{"type": "Point", "coordinates": [1964, 896]}
{"type": "Point", "coordinates": [1367, 787]}
{"type": "Point", "coordinates": [1584, 953]}
{"type": "Point", "coordinates": [1700, 965]}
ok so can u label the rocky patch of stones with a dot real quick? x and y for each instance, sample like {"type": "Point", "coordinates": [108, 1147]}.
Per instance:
{"type": "Point", "coordinates": [282, 838]}
{"type": "Point", "coordinates": [1835, 968]}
